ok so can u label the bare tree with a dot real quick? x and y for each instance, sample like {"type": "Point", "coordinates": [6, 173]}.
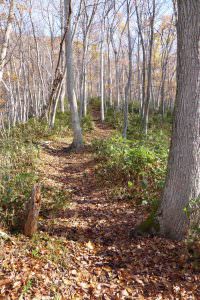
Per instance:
{"type": "Point", "coordinates": [77, 141]}
{"type": "Point", "coordinates": [130, 67]}
{"type": "Point", "coordinates": [149, 69]}
{"type": "Point", "coordinates": [6, 38]}
{"type": "Point", "coordinates": [87, 19]}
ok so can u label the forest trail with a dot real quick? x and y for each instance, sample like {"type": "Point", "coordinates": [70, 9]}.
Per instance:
{"type": "Point", "coordinates": [105, 262]}
{"type": "Point", "coordinates": [85, 251]}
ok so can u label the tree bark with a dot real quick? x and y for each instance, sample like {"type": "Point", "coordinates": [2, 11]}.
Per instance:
{"type": "Point", "coordinates": [149, 72]}
{"type": "Point", "coordinates": [140, 34]}
{"type": "Point", "coordinates": [102, 72]}
{"type": "Point", "coordinates": [128, 85]}
{"type": "Point", "coordinates": [63, 87]}
{"type": "Point", "coordinates": [183, 179]}
{"type": "Point", "coordinates": [32, 212]}
{"type": "Point", "coordinates": [109, 71]}
{"type": "Point", "coordinates": [77, 140]}
{"type": "Point", "coordinates": [6, 39]}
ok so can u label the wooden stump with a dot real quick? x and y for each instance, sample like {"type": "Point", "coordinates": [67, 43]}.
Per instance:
{"type": "Point", "coordinates": [32, 211]}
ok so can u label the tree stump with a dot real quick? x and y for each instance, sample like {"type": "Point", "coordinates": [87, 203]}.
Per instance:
{"type": "Point", "coordinates": [32, 211]}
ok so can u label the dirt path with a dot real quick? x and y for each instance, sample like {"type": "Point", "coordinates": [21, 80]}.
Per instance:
{"type": "Point", "coordinates": [85, 251]}
{"type": "Point", "coordinates": [107, 264]}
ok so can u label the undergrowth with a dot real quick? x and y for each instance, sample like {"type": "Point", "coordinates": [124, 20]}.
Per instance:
{"type": "Point", "coordinates": [19, 155]}
{"type": "Point", "coordinates": [87, 123]}
{"type": "Point", "coordinates": [193, 238]}
{"type": "Point", "coordinates": [114, 118]}
{"type": "Point", "coordinates": [55, 199]}
{"type": "Point", "coordinates": [139, 166]}
{"type": "Point", "coordinates": [135, 168]}
{"type": "Point", "coordinates": [17, 176]}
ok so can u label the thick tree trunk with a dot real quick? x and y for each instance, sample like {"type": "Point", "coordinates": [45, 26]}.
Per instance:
{"type": "Point", "coordinates": [183, 179]}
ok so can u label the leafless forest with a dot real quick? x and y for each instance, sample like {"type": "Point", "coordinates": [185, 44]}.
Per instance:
{"type": "Point", "coordinates": [99, 149]}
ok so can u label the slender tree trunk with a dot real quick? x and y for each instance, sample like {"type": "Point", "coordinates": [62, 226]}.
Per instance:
{"type": "Point", "coordinates": [128, 85]}
{"type": "Point", "coordinates": [83, 94]}
{"type": "Point", "coordinates": [139, 77]}
{"type": "Point", "coordinates": [183, 179]}
{"type": "Point", "coordinates": [109, 78]}
{"type": "Point", "coordinates": [143, 61]}
{"type": "Point", "coordinates": [117, 81]}
{"type": "Point", "coordinates": [102, 74]}
{"type": "Point", "coordinates": [63, 87]}
{"type": "Point", "coordinates": [77, 141]}
{"type": "Point", "coordinates": [53, 111]}
{"type": "Point", "coordinates": [149, 74]}
{"type": "Point", "coordinates": [6, 39]}
{"type": "Point", "coordinates": [162, 93]}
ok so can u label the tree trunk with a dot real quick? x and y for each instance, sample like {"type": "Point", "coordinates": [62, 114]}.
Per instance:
{"type": "Point", "coordinates": [149, 74]}
{"type": "Point", "coordinates": [102, 72]}
{"type": "Point", "coordinates": [128, 85]}
{"type": "Point", "coordinates": [109, 77]}
{"type": "Point", "coordinates": [6, 39]}
{"type": "Point", "coordinates": [77, 141]}
{"type": "Point", "coordinates": [63, 87]}
{"type": "Point", "coordinates": [83, 94]}
{"type": "Point", "coordinates": [56, 97]}
{"type": "Point", "coordinates": [143, 60]}
{"type": "Point", "coordinates": [183, 179]}
{"type": "Point", "coordinates": [32, 212]}
{"type": "Point", "coordinates": [117, 81]}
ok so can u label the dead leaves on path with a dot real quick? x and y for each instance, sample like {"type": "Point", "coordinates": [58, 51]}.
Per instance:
{"type": "Point", "coordinates": [85, 252]}
{"type": "Point", "coordinates": [54, 268]}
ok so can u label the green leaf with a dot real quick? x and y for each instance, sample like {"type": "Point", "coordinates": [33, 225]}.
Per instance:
{"type": "Point", "coordinates": [130, 184]}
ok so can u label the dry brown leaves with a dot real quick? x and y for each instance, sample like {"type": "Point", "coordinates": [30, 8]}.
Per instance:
{"type": "Point", "coordinates": [85, 252]}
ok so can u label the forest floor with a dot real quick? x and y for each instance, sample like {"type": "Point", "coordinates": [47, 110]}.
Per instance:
{"type": "Point", "coordinates": [85, 250]}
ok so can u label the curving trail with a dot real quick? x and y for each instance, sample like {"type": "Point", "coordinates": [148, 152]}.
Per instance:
{"type": "Point", "coordinates": [85, 251]}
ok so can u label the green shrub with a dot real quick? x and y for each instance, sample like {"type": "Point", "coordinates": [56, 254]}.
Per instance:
{"type": "Point", "coordinates": [139, 165]}
{"type": "Point", "coordinates": [62, 124]}
{"type": "Point", "coordinates": [87, 123]}
{"type": "Point", "coordinates": [55, 199]}
{"type": "Point", "coordinates": [151, 224]}
{"type": "Point", "coordinates": [35, 129]}
{"type": "Point", "coordinates": [17, 177]}
{"type": "Point", "coordinates": [134, 107]}
{"type": "Point", "coordinates": [19, 150]}
{"type": "Point", "coordinates": [192, 241]}
{"type": "Point", "coordinates": [192, 211]}
{"type": "Point", "coordinates": [31, 131]}
{"type": "Point", "coordinates": [95, 103]}
{"type": "Point", "coordinates": [114, 118]}
{"type": "Point", "coordinates": [156, 122]}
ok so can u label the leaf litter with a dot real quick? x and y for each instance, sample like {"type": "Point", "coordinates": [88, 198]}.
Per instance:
{"type": "Point", "coordinates": [85, 251]}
